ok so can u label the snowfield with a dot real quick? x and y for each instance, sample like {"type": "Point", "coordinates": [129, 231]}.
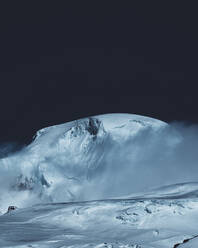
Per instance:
{"type": "Point", "coordinates": [99, 182]}
{"type": "Point", "coordinates": [162, 222]}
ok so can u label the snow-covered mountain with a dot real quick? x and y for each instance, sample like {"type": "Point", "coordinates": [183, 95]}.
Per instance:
{"type": "Point", "coordinates": [91, 158]}
{"type": "Point", "coordinates": [99, 182]}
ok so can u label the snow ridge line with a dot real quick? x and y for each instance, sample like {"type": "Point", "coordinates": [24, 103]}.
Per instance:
{"type": "Point", "coordinates": [184, 241]}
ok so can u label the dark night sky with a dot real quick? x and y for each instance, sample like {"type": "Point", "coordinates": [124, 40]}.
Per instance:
{"type": "Point", "coordinates": [60, 62]}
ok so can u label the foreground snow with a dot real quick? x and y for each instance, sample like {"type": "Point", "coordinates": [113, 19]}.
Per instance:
{"type": "Point", "coordinates": [158, 222]}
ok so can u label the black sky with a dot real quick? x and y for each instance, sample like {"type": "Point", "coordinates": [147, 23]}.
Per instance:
{"type": "Point", "coordinates": [62, 60]}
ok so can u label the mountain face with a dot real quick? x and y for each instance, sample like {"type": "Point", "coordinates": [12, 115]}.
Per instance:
{"type": "Point", "coordinates": [91, 158]}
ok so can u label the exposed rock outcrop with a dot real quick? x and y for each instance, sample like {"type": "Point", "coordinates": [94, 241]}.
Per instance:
{"type": "Point", "coordinates": [11, 208]}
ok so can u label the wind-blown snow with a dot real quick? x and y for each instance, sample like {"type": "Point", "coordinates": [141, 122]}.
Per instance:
{"type": "Point", "coordinates": [95, 158]}
{"type": "Point", "coordinates": [92, 158]}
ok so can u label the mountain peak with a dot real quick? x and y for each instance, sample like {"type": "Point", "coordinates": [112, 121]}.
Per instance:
{"type": "Point", "coordinates": [91, 125]}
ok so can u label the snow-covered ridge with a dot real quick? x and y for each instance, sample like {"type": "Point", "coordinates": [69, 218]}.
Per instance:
{"type": "Point", "coordinates": [91, 124]}
{"type": "Point", "coordinates": [110, 122]}
{"type": "Point", "coordinates": [173, 191]}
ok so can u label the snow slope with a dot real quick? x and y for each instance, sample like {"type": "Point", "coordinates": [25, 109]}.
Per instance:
{"type": "Point", "coordinates": [142, 223]}
{"type": "Point", "coordinates": [180, 190]}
